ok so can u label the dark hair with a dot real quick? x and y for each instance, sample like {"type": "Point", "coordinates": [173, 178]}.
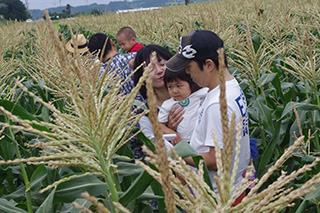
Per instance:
{"type": "Point", "coordinates": [215, 60]}
{"type": "Point", "coordinates": [97, 42]}
{"type": "Point", "coordinates": [127, 31]}
{"type": "Point", "coordinates": [181, 75]}
{"type": "Point", "coordinates": [143, 55]}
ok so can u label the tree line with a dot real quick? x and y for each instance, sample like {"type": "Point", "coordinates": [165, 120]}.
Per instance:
{"type": "Point", "coordinates": [13, 10]}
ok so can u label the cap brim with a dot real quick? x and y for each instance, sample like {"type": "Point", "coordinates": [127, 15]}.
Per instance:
{"type": "Point", "coordinates": [177, 63]}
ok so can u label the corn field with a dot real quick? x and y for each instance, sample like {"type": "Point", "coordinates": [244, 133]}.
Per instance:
{"type": "Point", "coordinates": [64, 142]}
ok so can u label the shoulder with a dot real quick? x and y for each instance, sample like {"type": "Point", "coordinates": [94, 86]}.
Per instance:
{"type": "Point", "coordinates": [124, 57]}
{"type": "Point", "coordinates": [122, 61]}
{"type": "Point", "coordinates": [136, 47]}
{"type": "Point", "coordinates": [168, 104]}
{"type": "Point", "coordinates": [139, 45]}
{"type": "Point", "coordinates": [201, 93]}
{"type": "Point", "coordinates": [212, 97]}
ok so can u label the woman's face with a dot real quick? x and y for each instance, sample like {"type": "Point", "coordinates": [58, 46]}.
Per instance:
{"type": "Point", "coordinates": [158, 72]}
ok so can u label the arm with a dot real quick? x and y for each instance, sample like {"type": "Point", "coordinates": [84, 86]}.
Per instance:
{"type": "Point", "coordinates": [131, 63]}
{"type": "Point", "coordinates": [209, 158]}
{"type": "Point", "coordinates": [146, 126]}
{"type": "Point", "coordinates": [166, 130]}
{"type": "Point", "coordinates": [175, 117]}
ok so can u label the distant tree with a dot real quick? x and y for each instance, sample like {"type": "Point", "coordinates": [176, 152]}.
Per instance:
{"type": "Point", "coordinates": [67, 12]}
{"type": "Point", "coordinates": [187, 2]}
{"type": "Point", "coordinates": [14, 9]}
{"type": "Point", "coordinates": [96, 12]}
{"type": "Point", "coordinates": [68, 9]}
{"type": "Point", "coordinates": [53, 16]}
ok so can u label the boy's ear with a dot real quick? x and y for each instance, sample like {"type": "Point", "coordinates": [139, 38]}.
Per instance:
{"type": "Point", "coordinates": [133, 39]}
{"type": "Point", "coordinates": [210, 65]}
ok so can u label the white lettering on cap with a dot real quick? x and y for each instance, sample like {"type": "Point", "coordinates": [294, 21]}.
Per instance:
{"type": "Point", "coordinates": [180, 46]}
{"type": "Point", "coordinates": [188, 52]}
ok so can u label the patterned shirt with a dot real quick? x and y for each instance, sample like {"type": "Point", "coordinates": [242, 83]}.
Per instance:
{"type": "Point", "coordinates": [121, 63]}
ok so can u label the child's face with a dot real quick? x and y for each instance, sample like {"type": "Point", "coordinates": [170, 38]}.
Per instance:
{"type": "Point", "coordinates": [125, 43]}
{"type": "Point", "coordinates": [179, 89]}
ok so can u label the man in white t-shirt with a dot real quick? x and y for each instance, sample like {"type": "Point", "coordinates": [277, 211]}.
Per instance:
{"type": "Point", "coordinates": [199, 57]}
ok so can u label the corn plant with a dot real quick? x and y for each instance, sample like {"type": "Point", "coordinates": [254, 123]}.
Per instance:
{"type": "Point", "coordinates": [272, 48]}
{"type": "Point", "coordinates": [93, 127]}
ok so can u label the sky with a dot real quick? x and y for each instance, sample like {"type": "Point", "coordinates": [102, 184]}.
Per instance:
{"type": "Point", "coordinates": [43, 4]}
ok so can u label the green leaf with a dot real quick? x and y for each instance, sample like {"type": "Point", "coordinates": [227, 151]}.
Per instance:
{"type": "Point", "coordinates": [68, 207]}
{"type": "Point", "coordinates": [9, 207]}
{"type": "Point", "coordinates": [143, 208]}
{"type": "Point", "coordinates": [140, 103]}
{"type": "Point", "coordinates": [70, 190]}
{"type": "Point", "coordinates": [312, 195]}
{"type": "Point", "coordinates": [267, 78]}
{"type": "Point", "coordinates": [47, 205]}
{"type": "Point", "coordinates": [37, 177]}
{"type": "Point", "coordinates": [294, 127]}
{"type": "Point", "coordinates": [144, 180]}
{"type": "Point", "coordinates": [269, 151]}
{"type": "Point", "coordinates": [19, 193]}
{"type": "Point", "coordinates": [286, 85]}
{"type": "Point", "coordinates": [137, 188]}
{"type": "Point", "coordinates": [144, 139]}
{"type": "Point", "coordinates": [183, 149]}
{"type": "Point", "coordinates": [149, 196]}
{"type": "Point", "coordinates": [265, 114]}
{"type": "Point", "coordinates": [128, 169]}
{"type": "Point", "coordinates": [302, 207]}
{"type": "Point", "coordinates": [299, 106]}
{"type": "Point", "coordinates": [22, 113]}
{"type": "Point", "coordinates": [253, 115]}
{"type": "Point", "coordinates": [157, 190]}
{"type": "Point", "coordinates": [7, 147]}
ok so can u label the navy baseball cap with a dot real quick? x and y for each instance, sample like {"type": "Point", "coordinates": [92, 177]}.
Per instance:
{"type": "Point", "coordinates": [199, 44]}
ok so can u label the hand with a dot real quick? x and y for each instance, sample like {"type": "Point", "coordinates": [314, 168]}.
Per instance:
{"type": "Point", "coordinates": [175, 117]}
{"type": "Point", "coordinates": [176, 140]}
{"type": "Point", "coordinates": [131, 63]}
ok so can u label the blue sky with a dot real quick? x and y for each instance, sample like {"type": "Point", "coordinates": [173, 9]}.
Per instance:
{"type": "Point", "coordinates": [43, 4]}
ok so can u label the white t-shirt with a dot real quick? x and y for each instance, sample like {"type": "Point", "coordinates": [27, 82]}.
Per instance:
{"type": "Point", "coordinates": [209, 118]}
{"type": "Point", "coordinates": [191, 106]}
{"type": "Point", "coordinates": [145, 123]}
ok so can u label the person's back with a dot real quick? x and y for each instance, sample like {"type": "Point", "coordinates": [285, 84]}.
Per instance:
{"type": "Point", "coordinates": [127, 39]}
{"type": "Point", "coordinates": [119, 63]}
{"type": "Point", "coordinates": [184, 93]}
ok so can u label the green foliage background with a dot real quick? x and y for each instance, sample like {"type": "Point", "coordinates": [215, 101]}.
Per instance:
{"type": "Point", "coordinates": [272, 48]}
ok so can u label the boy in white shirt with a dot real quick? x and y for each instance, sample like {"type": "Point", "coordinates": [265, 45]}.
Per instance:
{"type": "Point", "coordinates": [199, 57]}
